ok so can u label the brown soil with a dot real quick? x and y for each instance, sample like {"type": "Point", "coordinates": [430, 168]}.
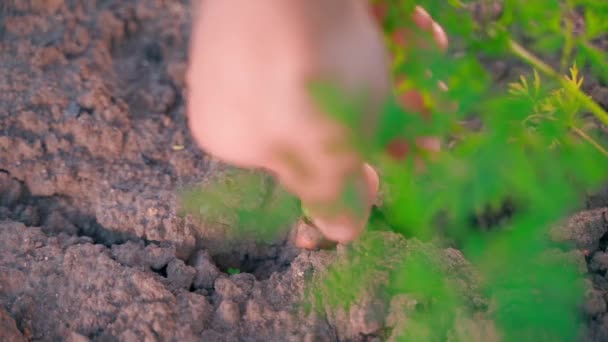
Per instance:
{"type": "Point", "coordinates": [92, 127]}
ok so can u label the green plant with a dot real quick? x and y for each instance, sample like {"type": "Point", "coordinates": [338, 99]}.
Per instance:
{"type": "Point", "coordinates": [538, 150]}
{"type": "Point", "coordinates": [247, 203]}
{"type": "Point", "coordinates": [233, 271]}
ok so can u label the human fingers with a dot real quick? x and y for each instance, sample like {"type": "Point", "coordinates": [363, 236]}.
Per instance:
{"type": "Point", "coordinates": [379, 11]}
{"type": "Point", "coordinates": [424, 21]}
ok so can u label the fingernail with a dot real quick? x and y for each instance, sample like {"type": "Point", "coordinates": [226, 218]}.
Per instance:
{"type": "Point", "coordinates": [440, 37]}
{"type": "Point", "coordinates": [422, 18]}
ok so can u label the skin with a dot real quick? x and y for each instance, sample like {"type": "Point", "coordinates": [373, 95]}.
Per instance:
{"type": "Point", "coordinates": [249, 102]}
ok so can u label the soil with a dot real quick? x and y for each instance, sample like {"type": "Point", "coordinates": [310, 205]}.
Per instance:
{"type": "Point", "coordinates": [94, 144]}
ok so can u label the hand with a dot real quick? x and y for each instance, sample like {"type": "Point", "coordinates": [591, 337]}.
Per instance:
{"type": "Point", "coordinates": [248, 99]}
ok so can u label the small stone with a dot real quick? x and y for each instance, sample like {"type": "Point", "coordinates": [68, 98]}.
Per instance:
{"type": "Point", "coordinates": [177, 72]}
{"type": "Point", "coordinates": [10, 190]}
{"type": "Point", "coordinates": [8, 328]}
{"type": "Point", "coordinates": [129, 253]}
{"type": "Point", "coordinates": [72, 111]}
{"type": "Point", "coordinates": [229, 312]}
{"type": "Point", "coordinates": [227, 289]}
{"type": "Point", "coordinates": [12, 281]}
{"type": "Point", "coordinates": [599, 262]}
{"type": "Point", "coordinates": [29, 216]}
{"type": "Point", "coordinates": [159, 97]}
{"type": "Point", "coordinates": [584, 229]}
{"type": "Point", "coordinates": [76, 337]}
{"type": "Point", "coordinates": [199, 308]}
{"type": "Point", "coordinates": [244, 281]}
{"type": "Point", "coordinates": [206, 271]}
{"type": "Point", "coordinates": [180, 274]}
{"type": "Point", "coordinates": [158, 256]}
{"type": "Point", "coordinates": [595, 303]}
{"type": "Point", "coordinates": [310, 337]}
{"type": "Point", "coordinates": [254, 311]}
{"type": "Point", "coordinates": [57, 223]}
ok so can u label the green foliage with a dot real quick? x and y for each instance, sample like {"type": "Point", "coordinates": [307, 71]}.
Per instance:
{"type": "Point", "coordinates": [378, 258]}
{"type": "Point", "coordinates": [233, 270]}
{"type": "Point", "coordinates": [533, 150]}
{"type": "Point", "coordinates": [247, 204]}
{"type": "Point", "coordinates": [537, 149]}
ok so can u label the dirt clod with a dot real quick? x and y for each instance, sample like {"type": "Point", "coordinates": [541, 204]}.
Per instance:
{"type": "Point", "coordinates": [179, 274]}
{"type": "Point", "coordinates": [595, 303]}
{"type": "Point", "coordinates": [584, 229]}
{"type": "Point", "coordinates": [8, 329]}
{"type": "Point", "coordinates": [227, 289]}
{"type": "Point", "coordinates": [76, 337]}
{"type": "Point", "coordinates": [599, 262]}
{"type": "Point", "coordinates": [228, 312]}
{"type": "Point", "coordinates": [206, 271]}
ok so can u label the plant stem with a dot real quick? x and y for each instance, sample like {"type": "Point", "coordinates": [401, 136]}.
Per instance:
{"type": "Point", "coordinates": [568, 35]}
{"type": "Point", "coordinates": [590, 140]}
{"type": "Point", "coordinates": [591, 105]}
